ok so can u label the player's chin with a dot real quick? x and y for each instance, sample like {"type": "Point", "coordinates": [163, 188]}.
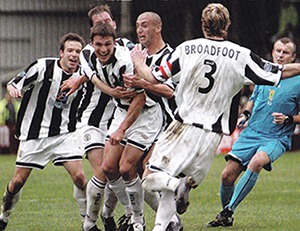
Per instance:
{"type": "Point", "coordinates": [280, 62]}
{"type": "Point", "coordinates": [73, 63]}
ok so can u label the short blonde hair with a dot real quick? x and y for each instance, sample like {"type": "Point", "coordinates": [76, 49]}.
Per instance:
{"type": "Point", "coordinates": [215, 20]}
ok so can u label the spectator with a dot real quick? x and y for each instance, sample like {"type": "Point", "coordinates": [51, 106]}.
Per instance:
{"type": "Point", "coordinates": [8, 116]}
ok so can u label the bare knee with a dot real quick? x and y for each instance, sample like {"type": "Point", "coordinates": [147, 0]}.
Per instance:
{"type": "Point", "coordinates": [231, 173]}
{"type": "Point", "coordinates": [79, 179]}
{"type": "Point", "coordinates": [127, 171]}
{"type": "Point", "coordinates": [226, 178]}
{"type": "Point", "coordinates": [258, 161]}
{"type": "Point", "coordinates": [108, 169]}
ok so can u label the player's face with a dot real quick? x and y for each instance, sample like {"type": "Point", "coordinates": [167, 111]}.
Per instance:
{"type": "Point", "coordinates": [283, 53]}
{"type": "Point", "coordinates": [103, 18]}
{"type": "Point", "coordinates": [145, 30]}
{"type": "Point", "coordinates": [104, 47]}
{"type": "Point", "coordinates": [69, 57]}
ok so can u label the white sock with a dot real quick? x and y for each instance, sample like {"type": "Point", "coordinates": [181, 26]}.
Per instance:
{"type": "Point", "coordinates": [165, 211]}
{"type": "Point", "coordinates": [152, 199]}
{"type": "Point", "coordinates": [118, 186]}
{"type": "Point", "coordinates": [80, 198]}
{"type": "Point", "coordinates": [159, 181]}
{"type": "Point", "coordinates": [94, 194]}
{"type": "Point", "coordinates": [135, 192]}
{"type": "Point", "coordinates": [110, 202]}
{"type": "Point", "coordinates": [175, 218]}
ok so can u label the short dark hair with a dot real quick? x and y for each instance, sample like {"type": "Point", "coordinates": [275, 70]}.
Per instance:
{"type": "Point", "coordinates": [103, 30]}
{"type": "Point", "coordinates": [99, 10]}
{"type": "Point", "coordinates": [70, 37]}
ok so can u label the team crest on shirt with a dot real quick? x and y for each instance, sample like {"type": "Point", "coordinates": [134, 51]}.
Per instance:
{"type": "Point", "coordinates": [268, 67]}
{"type": "Point", "coordinates": [86, 137]}
{"type": "Point", "coordinates": [271, 94]}
{"type": "Point", "coordinates": [112, 79]}
{"type": "Point", "coordinates": [61, 101]}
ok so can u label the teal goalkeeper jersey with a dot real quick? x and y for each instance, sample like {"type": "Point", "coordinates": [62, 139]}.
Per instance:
{"type": "Point", "coordinates": [268, 99]}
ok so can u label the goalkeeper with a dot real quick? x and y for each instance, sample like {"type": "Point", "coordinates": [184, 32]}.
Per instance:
{"type": "Point", "coordinates": [266, 137]}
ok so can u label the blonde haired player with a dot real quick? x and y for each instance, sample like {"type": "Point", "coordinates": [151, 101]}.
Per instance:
{"type": "Point", "coordinates": [212, 72]}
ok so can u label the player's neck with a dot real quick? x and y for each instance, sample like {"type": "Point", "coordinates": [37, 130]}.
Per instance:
{"type": "Point", "coordinates": [214, 38]}
{"type": "Point", "coordinates": [156, 47]}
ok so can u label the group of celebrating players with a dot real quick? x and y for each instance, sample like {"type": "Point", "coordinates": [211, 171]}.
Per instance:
{"type": "Point", "coordinates": [149, 118]}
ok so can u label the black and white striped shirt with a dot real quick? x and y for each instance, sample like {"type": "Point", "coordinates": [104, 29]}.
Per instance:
{"type": "Point", "coordinates": [168, 105]}
{"type": "Point", "coordinates": [45, 111]}
{"type": "Point", "coordinates": [211, 75]}
{"type": "Point", "coordinates": [112, 73]}
{"type": "Point", "coordinates": [87, 55]}
{"type": "Point", "coordinates": [96, 107]}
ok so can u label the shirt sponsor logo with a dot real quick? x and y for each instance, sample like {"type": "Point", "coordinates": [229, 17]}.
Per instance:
{"type": "Point", "coordinates": [61, 101]}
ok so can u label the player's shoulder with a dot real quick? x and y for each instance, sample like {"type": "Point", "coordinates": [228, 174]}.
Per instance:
{"type": "Point", "coordinates": [121, 51]}
{"type": "Point", "coordinates": [45, 61]}
{"type": "Point", "coordinates": [88, 46]}
{"type": "Point", "coordinates": [168, 47]}
{"type": "Point", "coordinates": [122, 54]}
{"type": "Point", "coordinates": [124, 42]}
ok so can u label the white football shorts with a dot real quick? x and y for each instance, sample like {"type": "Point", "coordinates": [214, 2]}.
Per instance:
{"type": "Point", "coordinates": [184, 148]}
{"type": "Point", "coordinates": [36, 153]}
{"type": "Point", "coordinates": [92, 137]}
{"type": "Point", "coordinates": [143, 132]}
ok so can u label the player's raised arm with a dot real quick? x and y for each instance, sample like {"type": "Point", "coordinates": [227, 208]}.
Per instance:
{"type": "Point", "coordinates": [290, 70]}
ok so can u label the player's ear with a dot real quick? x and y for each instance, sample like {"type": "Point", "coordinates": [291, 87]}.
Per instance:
{"type": "Point", "coordinates": [293, 57]}
{"type": "Point", "coordinates": [158, 28]}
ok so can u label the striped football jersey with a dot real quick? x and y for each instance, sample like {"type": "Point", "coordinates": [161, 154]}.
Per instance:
{"type": "Point", "coordinates": [168, 105]}
{"type": "Point", "coordinates": [96, 107]}
{"type": "Point", "coordinates": [211, 75]}
{"type": "Point", "coordinates": [45, 110]}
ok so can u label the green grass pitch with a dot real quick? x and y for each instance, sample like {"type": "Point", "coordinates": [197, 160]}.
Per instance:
{"type": "Point", "coordinates": [274, 204]}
